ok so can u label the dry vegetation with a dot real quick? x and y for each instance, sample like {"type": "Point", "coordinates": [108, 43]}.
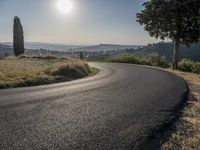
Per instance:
{"type": "Point", "coordinates": [185, 134]}
{"type": "Point", "coordinates": [19, 72]}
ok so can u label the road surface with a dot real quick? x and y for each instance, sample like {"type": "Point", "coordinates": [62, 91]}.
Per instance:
{"type": "Point", "coordinates": [116, 109]}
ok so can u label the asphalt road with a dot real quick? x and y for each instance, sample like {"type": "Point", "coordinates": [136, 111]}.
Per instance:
{"type": "Point", "coordinates": [116, 109]}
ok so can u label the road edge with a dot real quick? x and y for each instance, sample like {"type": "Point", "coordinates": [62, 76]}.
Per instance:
{"type": "Point", "coordinates": [155, 139]}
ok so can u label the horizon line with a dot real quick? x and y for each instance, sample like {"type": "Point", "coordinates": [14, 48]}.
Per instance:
{"type": "Point", "coordinates": [74, 44]}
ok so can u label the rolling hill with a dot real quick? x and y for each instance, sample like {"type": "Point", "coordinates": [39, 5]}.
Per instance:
{"type": "Point", "coordinates": [105, 47]}
{"type": "Point", "coordinates": [166, 50]}
{"type": "Point", "coordinates": [105, 50]}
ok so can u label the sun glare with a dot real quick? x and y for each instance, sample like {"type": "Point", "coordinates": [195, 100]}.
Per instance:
{"type": "Point", "coordinates": [65, 6]}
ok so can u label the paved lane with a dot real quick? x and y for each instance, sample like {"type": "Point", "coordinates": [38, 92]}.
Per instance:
{"type": "Point", "coordinates": [115, 109]}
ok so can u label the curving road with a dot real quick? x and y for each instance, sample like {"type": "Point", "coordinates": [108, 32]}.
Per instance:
{"type": "Point", "coordinates": [116, 109]}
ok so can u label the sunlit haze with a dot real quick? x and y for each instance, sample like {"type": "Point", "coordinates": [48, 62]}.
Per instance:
{"type": "Point", "coordinates": [74, 21]}
{"type": "Point", "coordinates": [65, 6]}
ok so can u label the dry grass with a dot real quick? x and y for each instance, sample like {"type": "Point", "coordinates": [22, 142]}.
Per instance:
{"type": "Point", "coordinates": [185, 134]}
{"type": "Point", "coordinates": [19, 72]}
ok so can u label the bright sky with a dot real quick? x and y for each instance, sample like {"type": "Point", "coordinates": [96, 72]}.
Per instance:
{"type": "Point", "coordinates": [75, 22]}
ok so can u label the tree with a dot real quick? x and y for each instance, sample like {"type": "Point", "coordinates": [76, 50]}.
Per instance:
{"type": "Point", "coordinates": [172, 19]}
{"type": "Point", "coordinates": [18, 37]}
{"type": "Point", "coordinates": [81, 55]}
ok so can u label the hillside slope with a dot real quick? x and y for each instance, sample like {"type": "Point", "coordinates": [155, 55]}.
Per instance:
{"type": "Point", "coordinates": [166, 49]}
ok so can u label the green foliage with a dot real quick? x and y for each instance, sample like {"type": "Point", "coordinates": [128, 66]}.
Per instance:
{"type": "Point", "coordinates": [171, 19]}
{"type": "Point", "coordinates": [156, 60]}
{"type": "Point", "coordinates": [127, 59]}
{"type": "Point", "coordinates": [151, 60]}
{"type": "Point", "coordinates": [166, 50]}
{"type": "Point", "coordinates": [189, 66]}
{"type": "Point", "coordinates": [18, 37]}
{"type": "Point", "coordinates": [177, 20]}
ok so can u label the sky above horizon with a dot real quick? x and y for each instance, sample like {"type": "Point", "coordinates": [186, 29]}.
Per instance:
{"type": "Point", "coordinates": [89, 21]}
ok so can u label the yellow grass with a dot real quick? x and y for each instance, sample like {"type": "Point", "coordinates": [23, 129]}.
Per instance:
{"type": "Point", "coordinates": [15, 72]}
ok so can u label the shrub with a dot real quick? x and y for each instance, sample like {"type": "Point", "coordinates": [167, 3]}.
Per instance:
{"type": "Point", "coordinates": [185, 65]}
{"type": "Point", "coordinates": [196, 68]}
{"type": "Point", "coordinates": [152, 60]}
{"type": "Point", "coordinates": [155, 60]}
{"type": "Point", "coordinates": [128, 59]}
{"type": "Point", "coordinates": [189, 66]}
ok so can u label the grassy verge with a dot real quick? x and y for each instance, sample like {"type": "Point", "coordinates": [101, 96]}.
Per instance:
{"type": "Point", "coordinates": [156, 61]}
{"type": "Point", "coordinates": [185, 134]}
{"type": "Point", "coordinates": [21, 72]}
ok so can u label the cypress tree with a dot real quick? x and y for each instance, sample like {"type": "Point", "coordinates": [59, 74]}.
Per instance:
{"type": "Point", "coordinates": [18, 37]}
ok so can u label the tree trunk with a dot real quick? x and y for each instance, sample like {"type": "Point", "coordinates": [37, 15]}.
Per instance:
{"type": "Point", "coordinates": [176, 53]}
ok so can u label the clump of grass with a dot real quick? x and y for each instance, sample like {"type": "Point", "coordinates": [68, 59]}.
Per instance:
{"type": "Point", "coordinates": [70, 70]}
{"type": "Point", "coordinates": [37, 80]}
{"type": "Point", "coordinates": [2, 76]}
{"type": "Point", "coordinates": [189, 66]}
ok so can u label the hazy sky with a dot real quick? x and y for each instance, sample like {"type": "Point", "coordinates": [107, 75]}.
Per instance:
{"type": "Point", "coordinates": [89, 22]}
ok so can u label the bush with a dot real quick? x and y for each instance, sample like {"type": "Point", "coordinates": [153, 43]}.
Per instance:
{"type": "Point", "coordinates": [185, 65]}
{"type": "Point", "coordinates": [75, 70]}
{"type": "Point", "coordinates": [156, 60]}
{"type": "Point", "coordinates": [128, 59]}
{"type": "Point", "coordinates": [189, 66]}
{"type": "Point", "coordinates": [196, 68]}
{"type": "Point", "coordinates": [152, 60]}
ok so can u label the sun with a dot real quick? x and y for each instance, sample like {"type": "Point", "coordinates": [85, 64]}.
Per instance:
{"type": "Point", "coordinates": [65, 6]}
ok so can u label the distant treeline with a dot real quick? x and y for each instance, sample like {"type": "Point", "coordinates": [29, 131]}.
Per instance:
{"type": "Point", "coordinates": [163, 49]}
{"type": "Point", "coordinates": [166, 50]}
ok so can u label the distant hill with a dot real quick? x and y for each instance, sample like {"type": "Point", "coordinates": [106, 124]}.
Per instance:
{"type": "Point", "coordinates": [64, 47]}
{"type": "Point", "coordinates": [166, 49]}
{"type": "Point", "coordinates": [105, 50]}
{"type": "Point", "coordinates": [105, 47]}
{"type": "Point", "coordinates": [47, 46]}
{"type": "Point", "coordinates": [5, 47]}
{"type": "Point", "coordinates": [5, 50]}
